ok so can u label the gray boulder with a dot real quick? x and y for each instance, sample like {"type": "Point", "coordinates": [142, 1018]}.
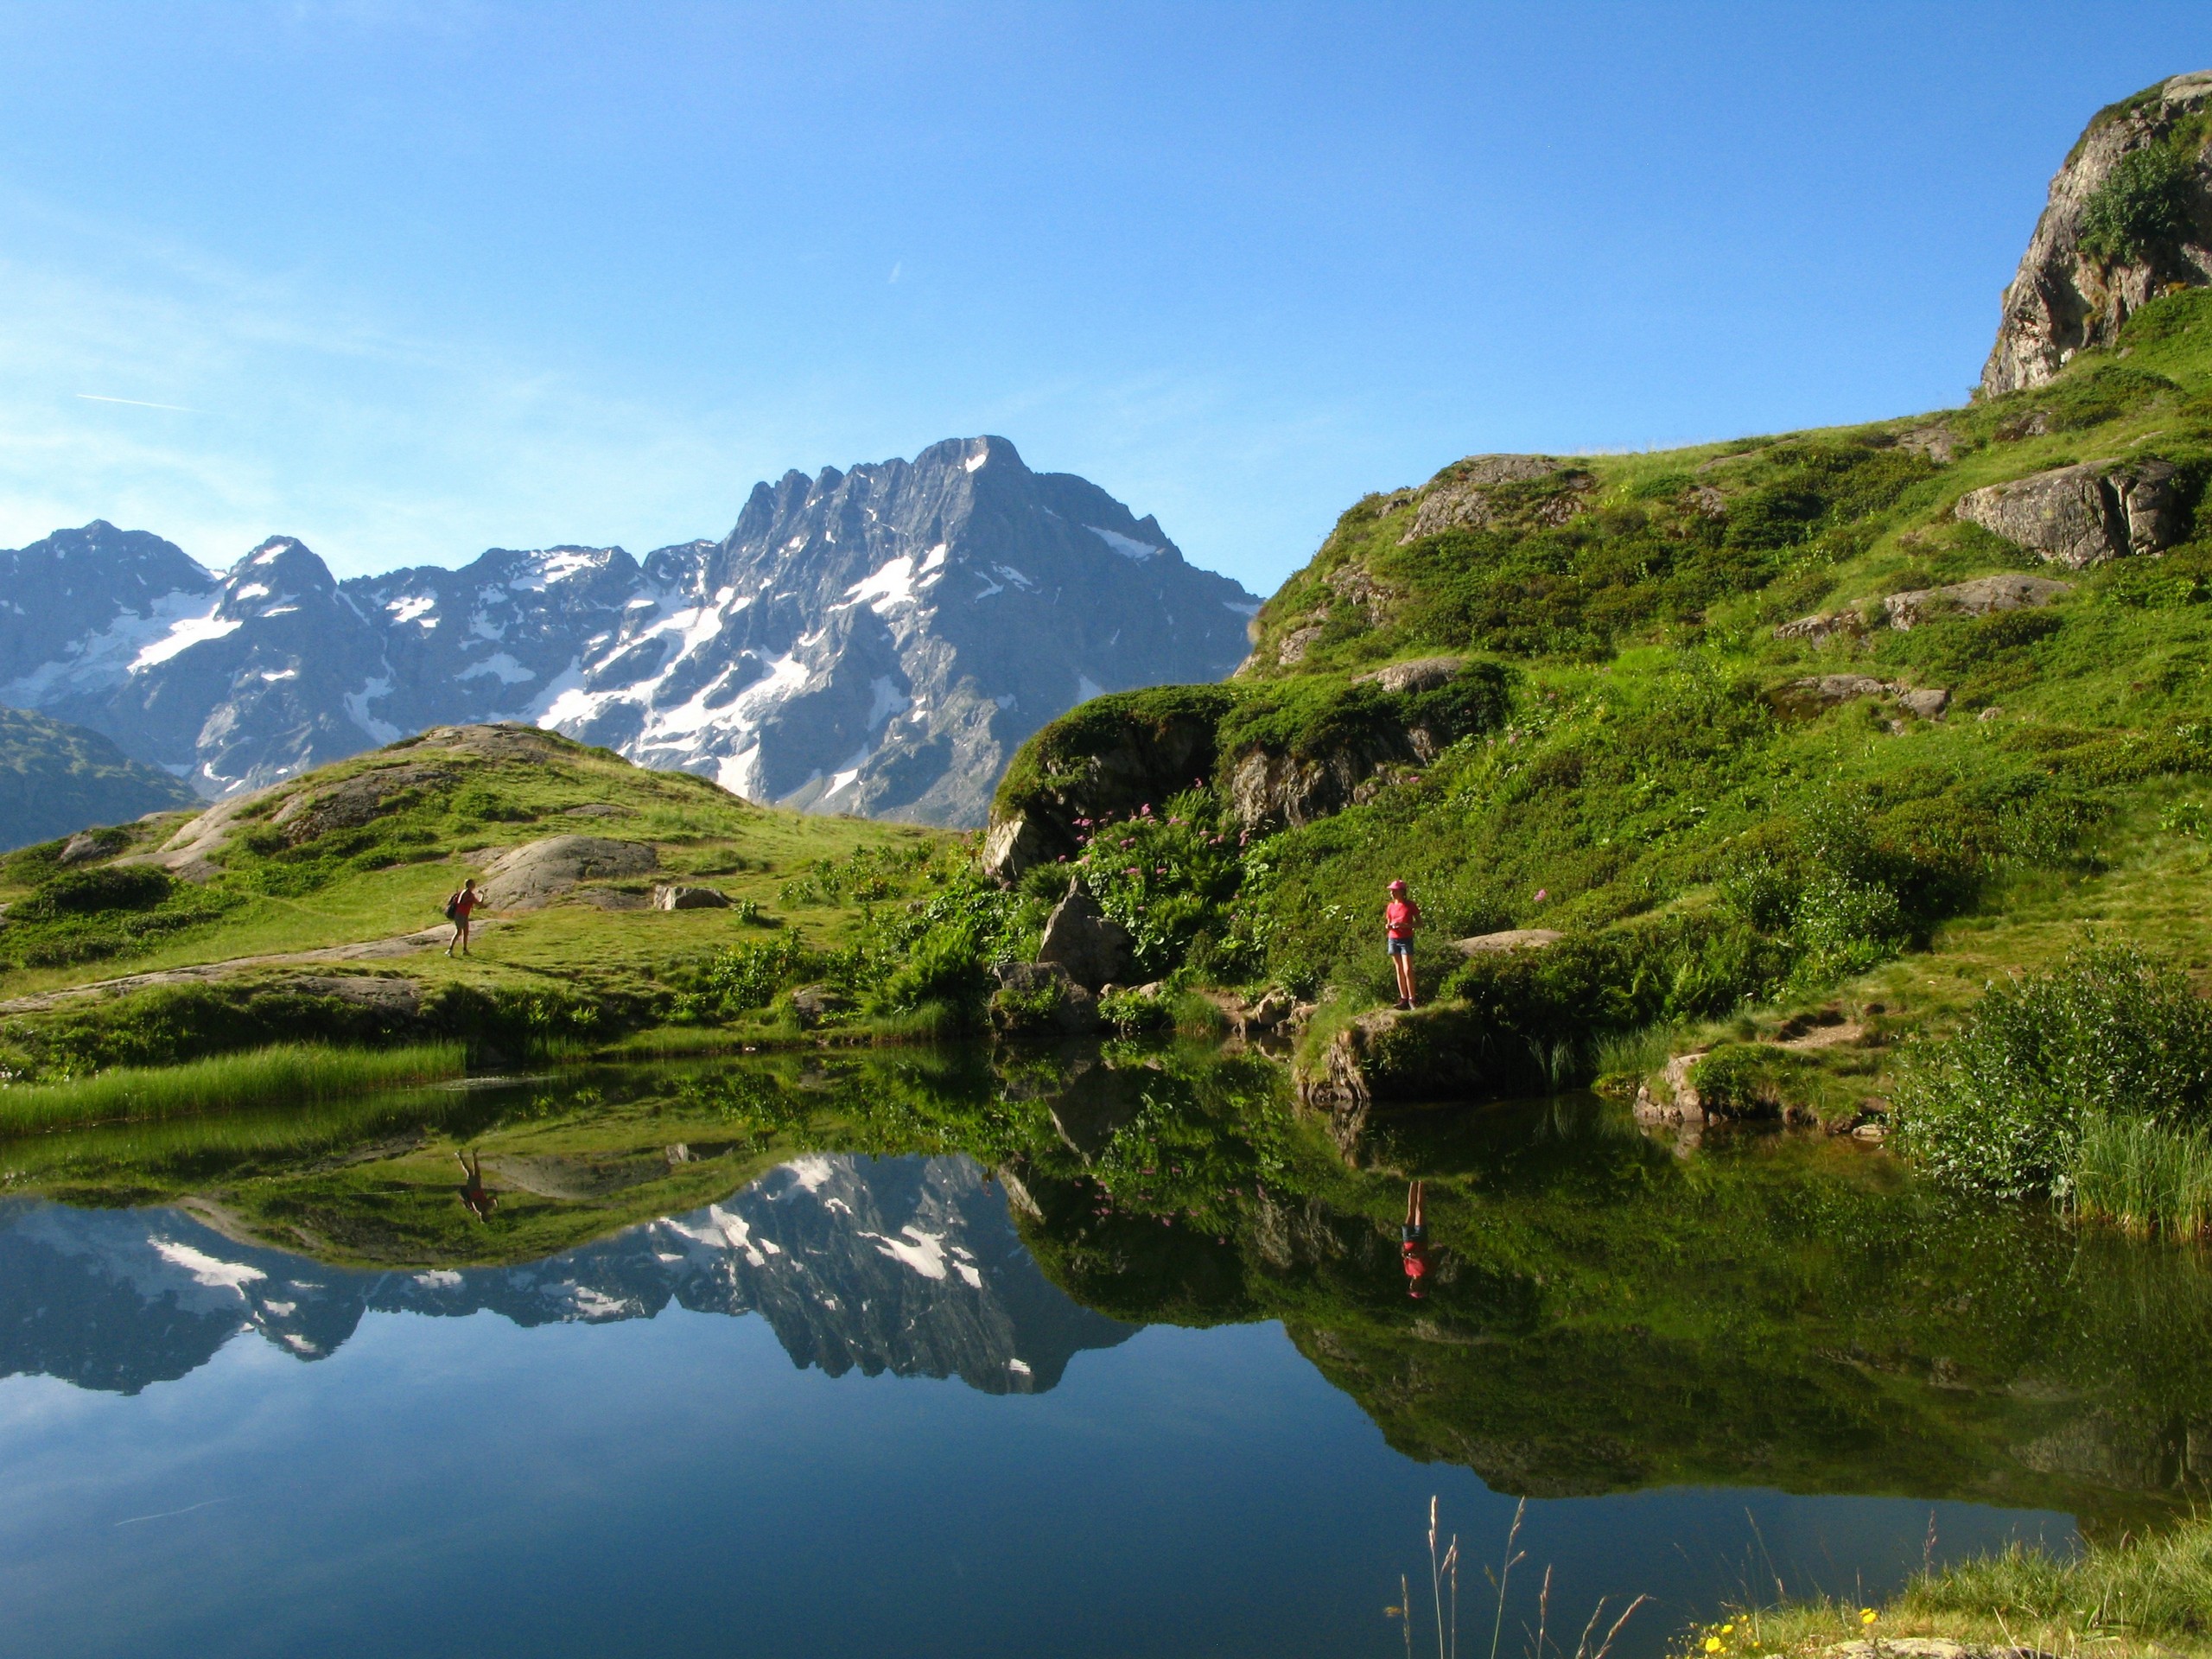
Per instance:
{"type": "Point", "coordinates": [1092, 946]}
{"type": "Point", "coordinates": [1827, 626]}
{"type": "Point", "coordinates": [1459, 498]}
{"type": "Point", "coordinates": [2081, 516]}
{"type": "Point", "coordinates": [538, 872]}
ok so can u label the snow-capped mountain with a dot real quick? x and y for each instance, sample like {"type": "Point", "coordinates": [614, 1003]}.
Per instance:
{"type": "Point", "coordinates": [877, 641]}
{"type": "Point", "coordinates": [907, 1265]}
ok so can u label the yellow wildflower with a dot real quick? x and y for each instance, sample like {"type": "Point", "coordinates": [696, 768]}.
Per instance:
{"type": "Point", "coordinates": [1713, 1644]}
{"type": "Point", "coordinates": [1868, 1615]}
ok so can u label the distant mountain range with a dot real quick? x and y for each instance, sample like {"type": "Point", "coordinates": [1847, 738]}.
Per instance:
{"type": "Point", "coordinates": [877, 641]}
{"type": "Point", "coordinates": [907, 1265]}
{"type": "Point", "coordinates": [56, 778]}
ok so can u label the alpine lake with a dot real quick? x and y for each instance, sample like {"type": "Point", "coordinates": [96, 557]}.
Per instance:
{"type": "Point", "coordinates": [1094, 1353]}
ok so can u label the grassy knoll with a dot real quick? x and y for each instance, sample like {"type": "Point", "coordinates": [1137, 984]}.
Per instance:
{"type": "Point", "coordinates": [277, 929]}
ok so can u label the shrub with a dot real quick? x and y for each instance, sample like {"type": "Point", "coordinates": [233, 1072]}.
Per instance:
{"type": "Point", "coordinates": [89, 893]}
{"type": "Point", "coordinates": [2002, 1107]}
{"type": "Point", "coordinates": [2142, 204]}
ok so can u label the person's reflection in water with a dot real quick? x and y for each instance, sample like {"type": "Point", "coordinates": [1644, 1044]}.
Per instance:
{"type": "Point", "coordinates": [1414, 1241]}
{"type": "Point", "coordinates": [474, 1196]}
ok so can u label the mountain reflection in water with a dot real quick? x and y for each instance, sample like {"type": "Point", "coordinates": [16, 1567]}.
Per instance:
{"type": "Point", "coordinates": [907, 1265]}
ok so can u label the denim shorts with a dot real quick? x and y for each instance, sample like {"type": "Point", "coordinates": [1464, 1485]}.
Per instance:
{"type": "Point", "coordinates": [1401, 947]}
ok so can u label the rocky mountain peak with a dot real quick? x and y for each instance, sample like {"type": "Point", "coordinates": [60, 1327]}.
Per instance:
{"type": "Point", "coordinates": [874, 640]}
{"type": "Point", "coordinates": [2129, 218]}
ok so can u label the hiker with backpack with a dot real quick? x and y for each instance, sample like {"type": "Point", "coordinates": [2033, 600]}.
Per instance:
{"type": "Point", "coordinates": [459, 909]}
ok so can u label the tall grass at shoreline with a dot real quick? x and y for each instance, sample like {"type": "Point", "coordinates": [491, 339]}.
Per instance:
{"type": "Point", "coordinates": [2143, 1178]}
{"type": "Point", "coordinates": [294, 1074]}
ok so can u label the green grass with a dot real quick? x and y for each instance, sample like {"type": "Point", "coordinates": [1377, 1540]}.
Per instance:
{"type": "Point", "coordinates": [2136, 1597]}
{"type": "Point", "coordinates": [298, 1075]}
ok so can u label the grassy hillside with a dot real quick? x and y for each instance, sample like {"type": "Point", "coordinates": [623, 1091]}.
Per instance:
{"type": "Point", "coordinates": [1728, 819]}
{"type": "Point", "coordinates": [55, 778]}
{"type": "Point", "coordinates": [302, 912]}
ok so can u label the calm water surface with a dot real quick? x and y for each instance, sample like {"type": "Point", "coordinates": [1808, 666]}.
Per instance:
{"type": "Point", "coordinates": [846, 1409]}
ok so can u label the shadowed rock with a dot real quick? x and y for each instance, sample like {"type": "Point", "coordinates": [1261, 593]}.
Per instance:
{"type": "Point", "coordinates": [1082, 939]}
{"type": "Point", "coordinates": [683, 898]}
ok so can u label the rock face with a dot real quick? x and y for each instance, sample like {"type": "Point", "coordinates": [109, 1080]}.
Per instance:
{"type": "Point", "coordinates": [877, 641]}
{"type": "Point", "coordinates": [2081, 516]}
{"type": "Point", "coordinates": [2066, 296]}
{"type": "Point", "coordinates": [1089, 944]}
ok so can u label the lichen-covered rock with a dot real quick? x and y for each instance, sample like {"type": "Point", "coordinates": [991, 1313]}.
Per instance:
{"type": "Point", "coordinates": [2081, 516]}
{"type": "Point", "coordinates": [1092, 948]}
{"type": "Point", "coordinates": [1983, 597]}
{"type": "Point", "coordinates": [2067, 296]}
{"type": "Point", "coordinates": [1268, 789]}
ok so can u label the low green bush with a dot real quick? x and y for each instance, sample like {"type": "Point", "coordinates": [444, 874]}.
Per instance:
{"type": "Point", "coordinates": [2141, 205]}
{"type": "Point", "coordinates": [2003, 1105]}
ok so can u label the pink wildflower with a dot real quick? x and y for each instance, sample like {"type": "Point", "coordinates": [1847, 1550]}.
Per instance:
{"type": "Point", "coordinates": [1542, 895]}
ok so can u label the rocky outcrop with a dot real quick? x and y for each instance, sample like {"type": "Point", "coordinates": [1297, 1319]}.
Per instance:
{"type": "Point", "coordinates": [1821, 691]}
{"type": "Point", "coordinates": [1465, 495]}
{"type": "Point", "coordinates": [1390, 1057]}
{"type": "Point", "coordinates": [1267, 790]}
{"type": "Point", "coordinates": [2081, 516]}
{"type": "Point", "coordinates": [534, 874]}
{"type": "Point", "coordinates": [1676, 1101]}
{"type": "Point", "coordinates": [1983, 597]}
{"type": "Point", "coordinates": [2067, 296]}
{"type": "Point", "coordinates": [1088, 944]}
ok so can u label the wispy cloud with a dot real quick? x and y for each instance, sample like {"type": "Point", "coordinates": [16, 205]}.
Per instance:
{"type": "Point", "coordinates": [137, 403]}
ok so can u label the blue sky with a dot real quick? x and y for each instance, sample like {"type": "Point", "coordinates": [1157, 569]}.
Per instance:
{"type": "Point", "coordinates": [417, 279]}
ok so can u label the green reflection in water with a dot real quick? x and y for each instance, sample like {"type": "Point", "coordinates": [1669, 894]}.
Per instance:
{"type": "Point", "coordinates": [1604, 1313]}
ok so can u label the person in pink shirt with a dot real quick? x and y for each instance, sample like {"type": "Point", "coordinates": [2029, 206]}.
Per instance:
{"type": "Point", "coordinates": [1400, 918]}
